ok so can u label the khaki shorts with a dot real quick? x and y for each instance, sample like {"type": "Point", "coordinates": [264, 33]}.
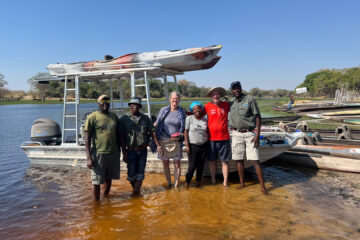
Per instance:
{"type": "Point", "coordinates": [242, 147]}
{"type": "Point", "coordinates": [106, 166]}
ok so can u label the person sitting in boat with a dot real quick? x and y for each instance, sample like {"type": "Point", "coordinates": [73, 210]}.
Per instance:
{"type": "Point", "coordinates": [291, 103]}
{"type": "Point", "coordinates": [102, 148]}
{"type": "Point", "coordinates": [219, 146]}
{"type": "Point", "coordinates": [196, 142]}
{"type": "Point", "coordinates": [136, 130]}
{"type": "Point", "coordinates": [170, 126]}
{"type": "Point", "coordinates": [244, 119]}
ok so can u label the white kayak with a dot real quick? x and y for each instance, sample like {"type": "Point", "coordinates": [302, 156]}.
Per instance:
{"type": "Point", "coordinates": [178, 60]}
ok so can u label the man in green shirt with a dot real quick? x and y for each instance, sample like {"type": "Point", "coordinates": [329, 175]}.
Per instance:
{"type": "Point", "coordinates": [244, 119]}
{"type": "Point", "coordinates": [102, 147]}
{"type": "Point", "coordinates": [134, 139]}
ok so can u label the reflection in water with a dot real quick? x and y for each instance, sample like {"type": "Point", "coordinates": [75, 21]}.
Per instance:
{"type": "Point", "coordinates": [211, 212]}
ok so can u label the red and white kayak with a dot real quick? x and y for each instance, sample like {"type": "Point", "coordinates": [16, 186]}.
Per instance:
{"type": "Point", "coordinates": [179, 60]}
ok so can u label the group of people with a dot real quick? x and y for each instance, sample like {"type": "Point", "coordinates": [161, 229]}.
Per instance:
{"type": "Point", "coordinates": [204, 131]}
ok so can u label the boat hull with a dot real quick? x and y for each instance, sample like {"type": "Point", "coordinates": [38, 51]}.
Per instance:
{"type": "Point", "coordinates": [75, 156]}
{"type": "Point", "coordinates": [327, 156]}
{"type": "Point", "coordinates": [321, 161]}
{"type": "Point", "coordinates": [179, 60]}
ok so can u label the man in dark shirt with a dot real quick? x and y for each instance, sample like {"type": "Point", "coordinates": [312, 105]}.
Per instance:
{"type": "Point", "coordinates": [244, 119]}
{"type": "Point", "coordinates": [136, 130]}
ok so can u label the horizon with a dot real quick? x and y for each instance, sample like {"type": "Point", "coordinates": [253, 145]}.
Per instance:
{"type": "Point", "coordinates": [269, 45]}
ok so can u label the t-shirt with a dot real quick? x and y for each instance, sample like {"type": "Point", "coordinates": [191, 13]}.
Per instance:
{"type": "Point", "coordinates": [218, 120]}
{"type": "Point", "coordinates": [198, 130]}
{"type": "Point", "coordinates": [137, 129]}
{"type": "Point", "coordinates": [172, 123]}
{"type": "Point", "coordinates": [103, 129]}
{"type": "Point", "coordinates": [243, 113]}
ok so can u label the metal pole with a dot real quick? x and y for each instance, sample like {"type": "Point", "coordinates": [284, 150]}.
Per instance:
{"type": "Point", "coordinates": [77, 102]}
{"type": "Point", "coordinates": [132, 75]}
{"type": "Point", "coordinates": [111, 94]}
{"type": "Point", "coordinates": [166, 89]}
{"type": "Point", "coordinates": [176, 86]}
{"type": "Point", "coordinates": [121, 92]}
{"type": "Point", "coordinates": [147, 93]}
{"type": "Point", "coordinates": [64, 111]}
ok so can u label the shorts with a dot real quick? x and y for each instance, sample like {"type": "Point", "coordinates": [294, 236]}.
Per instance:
{"type": "Point", "coordinates": [242, 147]}
{"type": "Point", "coordinates": [106, 166]}
{"type": "Point", "coordinates": [221, 149]}
{"type": "Point", "coordinates": [136, 165]}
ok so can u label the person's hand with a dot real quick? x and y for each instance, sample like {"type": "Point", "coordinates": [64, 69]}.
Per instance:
{"type": "Point", "coordinates": [188, 149]}
{"type": "Point", "coordinates": [125, 158]}
{"type": "Point", "coordinates": [256, 141]}
{"type": "Point", "coordinates": [160, 151]}
{"type": "Point", "coordinates": [90, 163]}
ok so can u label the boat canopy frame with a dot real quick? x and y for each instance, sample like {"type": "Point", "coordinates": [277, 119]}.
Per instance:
{"type": "Point", "coordinates": [107, 75]}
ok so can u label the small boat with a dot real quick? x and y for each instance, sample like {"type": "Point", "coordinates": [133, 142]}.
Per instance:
{"type": "Point", "coordinates": [177, 60]}
{"type": "Point", "coordinates": [272, 120]}
{"type": "Point", "coordinates": [328, 156]}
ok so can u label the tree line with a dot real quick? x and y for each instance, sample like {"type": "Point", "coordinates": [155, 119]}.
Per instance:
{"type": "Point", "coordinates": [92, 90]}
{"type": "Point", "coordinates": [325, 82]}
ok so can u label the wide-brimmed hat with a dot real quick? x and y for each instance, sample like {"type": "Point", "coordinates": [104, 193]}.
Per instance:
{"type": "Point", "coordinates": [102, 97]}
{"type": "Point", "coordinates": [135, 100]}
{"type": "Point", "coordinates": [221, 90]}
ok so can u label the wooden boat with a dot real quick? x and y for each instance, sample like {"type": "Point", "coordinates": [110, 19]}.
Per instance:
{"type": "Point", "coordinates": [177, 60]}
{"type": "Point", "coordinates": [272, 120]}
{"type": "Point", "coordinates": [325, 156]}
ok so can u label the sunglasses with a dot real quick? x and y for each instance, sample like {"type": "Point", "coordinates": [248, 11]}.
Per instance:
{"type": "Point", "coordinates": [104, 101]}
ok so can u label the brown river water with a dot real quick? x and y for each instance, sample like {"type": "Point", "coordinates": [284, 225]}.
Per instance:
{"type": "Point", "coordinates": [39, 202]}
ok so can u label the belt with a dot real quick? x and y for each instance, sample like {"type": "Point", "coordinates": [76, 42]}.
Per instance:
{"type": "Point", "coordinates": [137, 148]}
{"type": "Point", "coordinates": [240, 130]}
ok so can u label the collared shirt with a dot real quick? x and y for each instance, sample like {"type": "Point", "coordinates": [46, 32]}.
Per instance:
{"type": "Point", "coordinates": [243, 113]}
{"type": "Point", "coordinates": [102, 128]}
{"type": "Point", "coordinates": [136, 129]}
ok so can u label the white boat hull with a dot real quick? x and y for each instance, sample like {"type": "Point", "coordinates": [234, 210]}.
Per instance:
{"type": "Point", "coordinates": [75, 156]}
{"type": "Point", "coordinates": [178, 60]}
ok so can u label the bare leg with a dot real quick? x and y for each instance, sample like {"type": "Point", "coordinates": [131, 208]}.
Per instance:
{"type": "Point", "coordinates": [167, 171]}
{"type": "Point", "coordinates": [259, 174]}
{"type": "Point", "coordinates": [240, 167]}
{"type": "Point", "coordinates": [225, 171]}
{"type": "Point", "coordinates": [96, 192]}
{"type": "Point", "coordinates": [177, 172]}
{"type": "Point", "coordinates": [212, 165]}
{"type": "Point", "coordinates": [107, 187]}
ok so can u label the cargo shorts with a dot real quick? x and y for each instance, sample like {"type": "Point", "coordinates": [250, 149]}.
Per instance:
{"type": "Point", "coordinates": [106, 166]}
{"type": "Point", "coordinates": [242, 147]}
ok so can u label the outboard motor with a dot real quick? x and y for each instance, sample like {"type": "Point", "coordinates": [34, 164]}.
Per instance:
{"type": "Point", "coordinates": [47, 131]}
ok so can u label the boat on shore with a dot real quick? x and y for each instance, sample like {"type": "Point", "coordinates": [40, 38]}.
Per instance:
{"type": "Point", "coordinates": [329, 156]}
{"type": "Point", "coordinates": [274, 120]}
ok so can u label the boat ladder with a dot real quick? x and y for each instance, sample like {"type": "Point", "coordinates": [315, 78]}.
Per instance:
{"type": "Point", "coordinates": [146, 99]}
{"type": "Point", "coordinates": [67, 126]}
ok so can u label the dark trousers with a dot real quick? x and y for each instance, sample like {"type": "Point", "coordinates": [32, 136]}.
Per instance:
{"type": "Point", "coordinates": [136, 165]}
{"type": "Point", "coordinates": [197, 158]}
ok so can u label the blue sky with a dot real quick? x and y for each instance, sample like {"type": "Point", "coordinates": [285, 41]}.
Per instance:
{"type": "Point", "coordinates": [266, 44]}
